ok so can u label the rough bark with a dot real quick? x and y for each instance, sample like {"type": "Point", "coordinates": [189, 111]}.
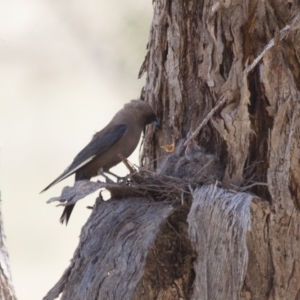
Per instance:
{"type": "Point", "coordinates": [218, 224]}
{"type": "Point", "coordinates": [161, 250]}
{"type": "Point", "coordinates": [210, 56]}
{"type": "Point", "coordinates": [113, 249]}
{"type": "Point", "coordinates": [198, 52]}
{"type": "Point", "coordinates": [7, 291]}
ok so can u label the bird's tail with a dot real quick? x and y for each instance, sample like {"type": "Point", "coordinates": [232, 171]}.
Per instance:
{"type": "Point", "coordinates": [57, 180]}
{"type": "Point", "coordinates": [66, 214]}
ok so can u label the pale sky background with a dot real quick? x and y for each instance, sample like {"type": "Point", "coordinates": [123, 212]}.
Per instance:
{"type": "Point", "coordinates": [65, 68]}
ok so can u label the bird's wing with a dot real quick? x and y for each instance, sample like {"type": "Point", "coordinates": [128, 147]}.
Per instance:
{"type": "Point", "coordinates": [100, 143]}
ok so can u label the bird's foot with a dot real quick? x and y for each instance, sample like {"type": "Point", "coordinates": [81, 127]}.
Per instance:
{"type": "Point", "coordinates": [107, 179]}
{"type": "Point", "coordinates": [119, 179]}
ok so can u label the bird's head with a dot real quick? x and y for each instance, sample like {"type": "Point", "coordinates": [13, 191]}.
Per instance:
{"type": "Point", "coordinates": [143, 113]}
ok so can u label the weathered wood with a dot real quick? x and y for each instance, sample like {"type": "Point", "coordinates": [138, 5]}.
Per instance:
{"type": "Point", "coordinates": [114, 243]}
{"type": "Point", "coordinates": [168, 273]}
{"type": "Point", "coordinates": [258, 283]}
{"type": "Point", "coordinates": [136, 248]}
{"type": "Point", "coordinates": [218, 224]}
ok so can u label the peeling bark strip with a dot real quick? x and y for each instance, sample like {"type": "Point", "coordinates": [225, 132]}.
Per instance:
{"type": "Point", "coordinates": [114, 244]}
{"type": "Point", "coordinates": [218, 223]}
{"type": "Point", "coordinates": [258, 282]}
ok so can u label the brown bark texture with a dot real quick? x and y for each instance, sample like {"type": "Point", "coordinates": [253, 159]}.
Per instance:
{"type": "Point", "coordinates": [7, 291]}
{"type": "Point", "coordinates": [199, 52]}
{"type": "Point", "coordinates": [224, 79]}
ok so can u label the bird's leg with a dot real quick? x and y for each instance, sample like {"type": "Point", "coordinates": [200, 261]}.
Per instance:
{"type": "Point", "coordinates": [116, 176]}
{"type": "Point", "coordinates": [107, 179]}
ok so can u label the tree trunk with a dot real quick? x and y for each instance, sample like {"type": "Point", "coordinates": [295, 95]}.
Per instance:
{"type": "Point", "coordinates": [7, 291]}
{"type": "Point", "coordinates": [211, 80]}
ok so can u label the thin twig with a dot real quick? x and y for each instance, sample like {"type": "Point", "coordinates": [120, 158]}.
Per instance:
{"type": "Point", "coordinates": [133, 172]}
{"type": "Point", "coordinates": [173, 229]}
{"type": "Point", "coordinates": [126, 163]}
{"type": "Point", "coordinates": [283, 33]}
{"type": "Point", "coordinates": [207, 164]}
{"type": "Point", "coordinates": [182, 199]}
{"type": "Point", "coordinates": [220, 102]}
{"type": "Point", "coordinates": [250, 186]}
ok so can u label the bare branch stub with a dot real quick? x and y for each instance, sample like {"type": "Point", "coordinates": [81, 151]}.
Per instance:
{"type": "Point", "coordinates": [113, 247]}
{"type": "Point", "coordinates": [218, 224]}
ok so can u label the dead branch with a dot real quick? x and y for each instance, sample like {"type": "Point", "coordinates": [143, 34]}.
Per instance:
{"type": "Point", "coordinates": [284, 32]}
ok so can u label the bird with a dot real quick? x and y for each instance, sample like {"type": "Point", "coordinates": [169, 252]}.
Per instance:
{"type": "Point", "coordinates": [191, 162]}
{"type": "Point", "coordinates": [120, 136]}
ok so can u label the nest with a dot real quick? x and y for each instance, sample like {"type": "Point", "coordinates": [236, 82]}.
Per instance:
{"type": "Point", "coordinates": [175, 181]}
{"type": "Point", "coordinates": [187, 167]}
{"type": "Point", "coordinates": [180, 173]}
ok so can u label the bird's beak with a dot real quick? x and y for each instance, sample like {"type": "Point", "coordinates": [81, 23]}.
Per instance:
{"type": "Point", "coordinates": [156, 124]}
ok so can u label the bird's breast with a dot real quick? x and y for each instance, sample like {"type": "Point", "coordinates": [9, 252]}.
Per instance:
{"type": "Point", "coordinates": [125, 146]}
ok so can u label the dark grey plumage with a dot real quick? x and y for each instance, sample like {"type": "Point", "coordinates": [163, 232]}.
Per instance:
{"type": "Point", "coordinates": [120, 136]}
{"type": "Point", "coordinates": [191, 162]}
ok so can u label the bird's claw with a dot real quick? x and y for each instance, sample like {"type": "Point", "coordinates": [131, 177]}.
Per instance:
{"type": "Point", "coordinates": [107, 179]}
{"type": "Point", "coordinates": [119, 179]}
